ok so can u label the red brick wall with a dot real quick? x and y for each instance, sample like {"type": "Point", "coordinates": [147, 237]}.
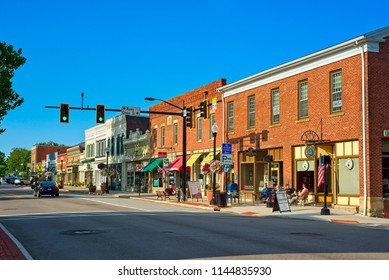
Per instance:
{"type": "Point", "coordinates": [38, 153]}
{"type": "Point", "coordinates": [377, 97]}
{"type": "Point", "coordinates": [335, 127]}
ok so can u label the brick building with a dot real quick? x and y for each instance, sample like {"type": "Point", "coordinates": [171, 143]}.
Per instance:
{"type": "Point", "coordinates": [332, 102]}
{"type": "Point", "coordinates": [167, 136]}
{"type": "Point", "coordinates": [39, 153]}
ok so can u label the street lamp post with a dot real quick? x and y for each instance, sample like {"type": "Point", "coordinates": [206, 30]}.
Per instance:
{"type": "Point", "coordinates": [214, 133]}
{"type": "Point", "coordinates": [183, 114]}
{"type": "Point", "coordinates": [106, 176]}
{"type": "Point", "coordinates": [61, 172]}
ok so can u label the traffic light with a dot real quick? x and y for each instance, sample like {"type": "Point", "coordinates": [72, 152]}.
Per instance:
{"type": "Point", "coordinates": [190, 117]}
{"type": "Point", "coordinates": [64, 113]}
{"type": "Point", "coordinates": [204, 109]}
{"type": "Point", "coordinates": [100, 113]}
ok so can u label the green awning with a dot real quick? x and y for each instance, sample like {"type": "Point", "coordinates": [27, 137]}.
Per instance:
{"type": "Point", "coordinates": [153, 165]}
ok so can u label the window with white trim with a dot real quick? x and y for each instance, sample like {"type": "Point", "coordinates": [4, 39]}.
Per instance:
{"type": "Point", "coordinates": [199, 129]}
{"type": "Point", "coordinates": [336, 92]}
{"type": "Point", "coordinates": [275, 106]}
{"type": "Point", "coordinates": [251, 111]}
{"type": "Point", "coordinates": [303, 99]}
{"type": "Point", "coordinates": [230, 116]}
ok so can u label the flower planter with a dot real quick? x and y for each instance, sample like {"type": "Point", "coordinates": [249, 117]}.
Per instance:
{"type": "Point", "coordinates": [92, 189]}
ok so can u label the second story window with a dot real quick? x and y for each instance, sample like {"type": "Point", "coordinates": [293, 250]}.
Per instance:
{"type": "Point", "coordinates": [251, 112]}
{"type": "Point", "coordinates": [230, 116]}
{"type": "Point", "coordinates": [303, 99]}
{"type": "Point", "coordinates": [336, 92]}
{"type": "Point", "coordinates": [212, 121]}
{"type": "Point", "coordinates": [100, 151]}
{"type": "Point", "coordinates": [154, 138]}
{"type": "Point", "coordinates": [175, 133]}
{"type": "Point", "coordinates": [275, 106]}
{"type": "Point", "coordinates": [90, 150]}
{"type": "Point", "coordinates": [163, 136]}
{"type": "Point", "coordinates": [199, 129]}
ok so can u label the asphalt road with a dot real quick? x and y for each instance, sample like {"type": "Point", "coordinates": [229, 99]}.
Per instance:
{"type": "Point", "coordinates": [88, 227]}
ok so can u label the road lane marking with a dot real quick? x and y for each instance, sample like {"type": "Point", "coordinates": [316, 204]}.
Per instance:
{"type": "Point", "coordinates": [11, 194]}
{"type": "Point", "coordinates": [118, 205]}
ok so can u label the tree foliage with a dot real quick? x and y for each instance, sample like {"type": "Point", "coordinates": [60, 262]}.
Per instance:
{"type": "Point", "coordinates": [3, 165]}
{"type": "Point", "coordinates": [18, 161]}
{"type": "Point", "coordinates": [10, 60]}
{"type": "Point", "coordinates": [49, 143]}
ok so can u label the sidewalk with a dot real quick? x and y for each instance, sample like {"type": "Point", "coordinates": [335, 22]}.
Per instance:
{"type": "Point", "coordinates": [309, 212]}
{"type": "Point", "coordinates": [10, 251]}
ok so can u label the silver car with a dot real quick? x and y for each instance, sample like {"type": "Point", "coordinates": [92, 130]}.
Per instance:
{"type": "Point", "coordinates": [21, 181]}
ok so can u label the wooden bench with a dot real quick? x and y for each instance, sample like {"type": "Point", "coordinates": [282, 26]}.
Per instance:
{"type": "Point", "coordinates": [162, 194]}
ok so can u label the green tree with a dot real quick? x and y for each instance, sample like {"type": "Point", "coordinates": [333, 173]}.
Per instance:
{"type": "Point", "coordinates": [3, 165]}
{"type": "Point", "coordinates": [50, 143]}
{"type": "Point", "coordinates": [18, 162]}
{"type": "Point", "coordinates": [10, 60]}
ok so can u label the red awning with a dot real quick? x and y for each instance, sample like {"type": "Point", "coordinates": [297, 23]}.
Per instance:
{"type": "Point", "coordinates": [176, 164]}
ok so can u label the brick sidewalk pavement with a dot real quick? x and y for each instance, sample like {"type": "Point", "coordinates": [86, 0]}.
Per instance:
{"type": "Point", "coordinates": [8, 249]}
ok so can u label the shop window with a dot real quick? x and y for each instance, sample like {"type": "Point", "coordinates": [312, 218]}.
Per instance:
{"type": "Point", "coordinates": [348, 176]}
{"type": "Point", "coordinates": [385, 175]}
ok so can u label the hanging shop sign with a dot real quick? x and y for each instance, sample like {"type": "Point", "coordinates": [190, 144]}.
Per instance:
{"type": "Point", "coordinates": [251, 152]}
{"type": "Point", "coordinates": [305, 165]}
{"type": "Point", "coordinates": [349, 163]}
{"type": "Point", "coordinates": [310, 151]}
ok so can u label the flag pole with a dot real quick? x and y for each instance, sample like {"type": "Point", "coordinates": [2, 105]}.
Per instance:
{"type": "Point", "coordinates": [325, 160]}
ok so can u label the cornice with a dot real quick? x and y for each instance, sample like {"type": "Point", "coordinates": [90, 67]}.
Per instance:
{"type": "Point", "coordinates": [369, 42]}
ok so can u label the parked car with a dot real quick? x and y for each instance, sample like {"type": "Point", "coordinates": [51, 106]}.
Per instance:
{"type": "Point", "coordinates": [11, 180]}
{"type": "Point", "coordinates": [46, 188]}
{"type": "Point", "coordinates": [21, 181]}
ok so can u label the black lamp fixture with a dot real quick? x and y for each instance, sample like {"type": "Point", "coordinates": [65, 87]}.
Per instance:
{"type": "Point", "coordinates": [214, 133]}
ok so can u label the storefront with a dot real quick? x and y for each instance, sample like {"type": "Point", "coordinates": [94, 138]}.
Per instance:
{"type": "Point", "coordinates": [342, 173]}
{"type": "Point", "coordinates": [135, 177]}
{"type": "Point", "coordinates": [257, 167]}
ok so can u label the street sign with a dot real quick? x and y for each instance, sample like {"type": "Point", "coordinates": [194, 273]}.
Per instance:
{"type": "Point", "coordinates": [226, 159]}
{"type": "Point", "coordinates": [214, 103]}
{"type": "Point", "coordinates": [386, 133]}
{"type": "Point", "coordinates": [226, 167]}
{"type": "Point", "coordinates": [130, 110]}
{"type": "Point", "coordinates": [226, 148]}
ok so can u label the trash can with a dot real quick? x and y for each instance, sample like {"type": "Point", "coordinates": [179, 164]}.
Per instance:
{"type": "Point", "coordinates": [221, 199]}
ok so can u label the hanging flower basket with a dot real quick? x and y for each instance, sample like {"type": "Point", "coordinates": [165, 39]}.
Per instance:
{"type": "Point", "coordinates": [206, 168]}
{"type": "Point", "coordinates": [216, 166]}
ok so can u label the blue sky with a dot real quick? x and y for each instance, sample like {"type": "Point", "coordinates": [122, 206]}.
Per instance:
{"type": "Point", "coordinates": [119, 52]}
